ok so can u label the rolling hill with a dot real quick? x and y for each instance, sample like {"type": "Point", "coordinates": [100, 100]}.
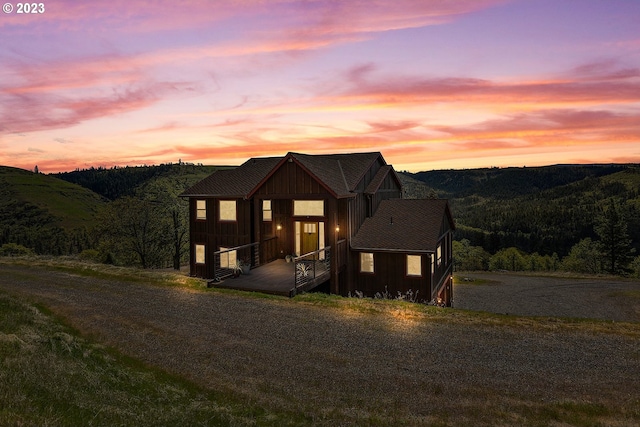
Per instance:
{"type": "Point", "coordinates": [545, 210]}
{"type": "Point", "coordinates": [45, 213]}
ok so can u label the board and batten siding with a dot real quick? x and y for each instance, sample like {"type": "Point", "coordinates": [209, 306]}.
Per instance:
{"type": "Point", "coordinates": [213, 233]}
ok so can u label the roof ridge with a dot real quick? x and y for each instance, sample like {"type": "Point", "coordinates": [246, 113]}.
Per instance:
{"type": "Point", "coordinates": [344, 178]}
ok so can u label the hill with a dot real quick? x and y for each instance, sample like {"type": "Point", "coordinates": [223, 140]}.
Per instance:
{"type": "Point", "coordinates": [545, 210]}
{"type": "Point", "coordinates": [45, 213]}
{"type": "Point", "coordinates": [128, 181]}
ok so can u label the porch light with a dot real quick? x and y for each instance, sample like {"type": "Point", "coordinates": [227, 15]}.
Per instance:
{"type": "Point", "coordinates": [279, 227]}
{"type": "Point", "coordinates": [337, 228]}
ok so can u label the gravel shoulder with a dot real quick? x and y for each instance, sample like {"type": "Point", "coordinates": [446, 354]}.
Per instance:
{"type": "Point", "coordinates": [525, 295]}
{"type": "Point", "coordinates": [333, 363]}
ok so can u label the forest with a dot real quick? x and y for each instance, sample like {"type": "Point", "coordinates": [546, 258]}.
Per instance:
{"type": "Point", "coordinates": [582, 218]}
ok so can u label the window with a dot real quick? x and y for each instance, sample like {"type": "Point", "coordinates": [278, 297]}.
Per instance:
{"type": "Point", "coordinates": [200, 254]}
{"type": "Point", "coordinates": [439, 255]}
{"type": "Point", "coordinates": [308, 207]}
{"type": "Point", "coordinates": [228, 259]}
{"type": "Point", "coordinates": [201, 209]}
{"type": "Point", "coordinates": [267, 214]}
{"type": "Point", "coordinates": [414, 265]}
{"type": "Point", "coordinates": [366, 262]}
{"type": "Point", "coordinates": [227, 210]}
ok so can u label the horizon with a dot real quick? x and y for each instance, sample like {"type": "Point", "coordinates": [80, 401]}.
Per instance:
{"type": "Point", "coordinates": [182, 163]}
{"type": "Point", "coordinates": [431, 85]}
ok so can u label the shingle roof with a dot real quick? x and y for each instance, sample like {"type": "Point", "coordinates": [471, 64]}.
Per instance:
{"type": "Point", "coordinates": [378, 179]}
{"type": "Point", "coordinates": [340, 173]}
{"type": "Point", "coordinates": [236, 182]}
{"type": "Point", "coordinates": [404, 224]}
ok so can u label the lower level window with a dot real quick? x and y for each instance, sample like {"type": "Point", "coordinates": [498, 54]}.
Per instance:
{"type": "Point", "coordinates": [228, 259]}
{"type": "Point", "coordinates": [414, 265]}
{"type": "Point", "coordinates": [366, 262]}
{"type": "Point", "coordinates": [199, 254]}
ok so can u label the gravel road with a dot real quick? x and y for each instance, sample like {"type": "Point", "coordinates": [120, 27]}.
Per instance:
{"type": "Point", "coordinates": [592, 298]}
{"type": "Point", "coordinates": [289, 355]}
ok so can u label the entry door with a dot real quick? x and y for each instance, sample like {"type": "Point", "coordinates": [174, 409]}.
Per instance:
{"type": "Point", "coordinates": [309, 237]}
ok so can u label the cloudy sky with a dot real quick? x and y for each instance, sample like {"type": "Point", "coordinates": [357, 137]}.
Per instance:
{"type": "Point", "coordinates": [432, 84]}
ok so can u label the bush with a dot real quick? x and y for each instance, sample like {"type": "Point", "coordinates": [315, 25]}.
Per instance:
{"type": "Point", "coordinates": [13, 249]}
{"type": "Point", "coordinates": [90, 255]}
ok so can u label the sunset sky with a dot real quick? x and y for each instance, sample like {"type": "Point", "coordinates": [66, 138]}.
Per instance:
{"type": "Point", "coordinates": [432, 84]}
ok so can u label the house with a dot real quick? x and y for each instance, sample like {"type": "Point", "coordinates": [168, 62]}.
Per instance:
{"type": "Point", "coordinates": [339, 218]}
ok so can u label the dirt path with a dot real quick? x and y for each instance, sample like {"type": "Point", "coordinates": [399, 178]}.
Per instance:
{"type": "Point", "coordinates": [343, 364]}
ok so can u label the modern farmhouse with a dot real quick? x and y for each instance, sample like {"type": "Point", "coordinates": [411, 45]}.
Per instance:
{"type": "Point", "coordinates": [301, 221]}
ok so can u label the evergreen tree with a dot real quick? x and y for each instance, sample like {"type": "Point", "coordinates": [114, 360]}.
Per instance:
{"type": "Point", "coordinates": [615, 244]}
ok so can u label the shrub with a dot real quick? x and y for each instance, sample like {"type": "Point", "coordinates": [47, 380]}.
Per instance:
{"type": "Point", "coordinates": [13, 249]}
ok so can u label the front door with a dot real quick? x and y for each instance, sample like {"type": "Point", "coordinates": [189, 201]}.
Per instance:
{"type": "Point", "coordinates": [309, 237]}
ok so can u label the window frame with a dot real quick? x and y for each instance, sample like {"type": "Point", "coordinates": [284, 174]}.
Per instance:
{"type": "Point", "coordinates": [372, 262]}
{"type": "Point", "coordinates": [227, 209]}
{"type": "Point", "coordinates": [267, 217]}
{"type": "Point", "coordinates": [200, 249]}
{"type": "Point", "coordinates": [201, 209]}
{"type": "Point", "coordinates": [408, 264]}
{"type": "Point", "coordinates": [299, 204]}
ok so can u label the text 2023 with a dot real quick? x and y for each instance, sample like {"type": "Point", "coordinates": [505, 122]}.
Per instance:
{"type": "Point", "coordinates": [30, 8]}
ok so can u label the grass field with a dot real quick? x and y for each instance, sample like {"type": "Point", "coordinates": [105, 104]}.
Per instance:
{"type": "Point", "coordinates": [51, 374]}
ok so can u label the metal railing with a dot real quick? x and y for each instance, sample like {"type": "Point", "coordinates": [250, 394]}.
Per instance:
{"type": "Point", "coordinates": [231, 261]}
{"type": "Point", "coordinates": [309, 267]}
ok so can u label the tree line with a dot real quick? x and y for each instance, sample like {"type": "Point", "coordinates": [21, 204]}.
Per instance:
{"type": "Point", "coordinates": [610, 252]}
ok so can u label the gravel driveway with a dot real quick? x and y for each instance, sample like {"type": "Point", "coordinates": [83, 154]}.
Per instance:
{"type": "Point", "coordinates": [593, 298]}
{"type": "Point", "coordinates": [324, 361]}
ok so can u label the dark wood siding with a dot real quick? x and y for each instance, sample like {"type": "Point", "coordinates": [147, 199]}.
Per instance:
{"type": "Point", "coordinates": [390, 270]}
{"type": "Point", "coordinates": [213, 233]}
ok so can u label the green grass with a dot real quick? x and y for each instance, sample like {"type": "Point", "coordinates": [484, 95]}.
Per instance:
{"type": "Point", "coordinates": [49, 375]}
{"type": "Point", "coordinates": [72, 205]}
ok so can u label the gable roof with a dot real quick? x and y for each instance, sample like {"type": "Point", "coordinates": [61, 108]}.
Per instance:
{"type": "Point", "coordinates": [236, 182]}
{"type": "Point", "coordinates": [404, 225]}
{"type": "Point", "coordinates": [338, 173]}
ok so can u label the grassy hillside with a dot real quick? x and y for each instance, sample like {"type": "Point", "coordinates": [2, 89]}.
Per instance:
{"type": "Point", "coordinates": [41, 212]}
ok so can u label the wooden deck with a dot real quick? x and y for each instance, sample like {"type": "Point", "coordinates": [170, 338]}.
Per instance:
{"type": "Point", "coordinates": [276, 278]}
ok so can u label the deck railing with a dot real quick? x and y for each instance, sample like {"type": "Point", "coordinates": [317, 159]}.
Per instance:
{"type": "Point", "coordinates": [229, 262]}
{"type": "Point", "coordinates": [312, 266]}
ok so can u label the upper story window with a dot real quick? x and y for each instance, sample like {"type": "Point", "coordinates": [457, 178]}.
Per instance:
{"type": "Point", "coordinates": [414, 265]}
{"type": "Point", "coordinates": [267, 213]}
{"type": "Point", "coordinates": [439, 254]}
{"type": "Point", "coordinates": [227, 210]}
{"type": "Point", "coordinates": [201, 209]}
{"type": "Point", "coordinates": [308, 207]}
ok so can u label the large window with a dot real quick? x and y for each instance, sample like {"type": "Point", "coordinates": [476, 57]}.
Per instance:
{"type": "Point", "coordinates": [366, 262]}
{"type": "Point", "coordinates": [308, 207]}
{"type": "Point", "coordinates": [228, 259]}
{"type": "Point", "coordinates": [267, 213]}
{"type": "Point", "coordinates": [414, 265]}
{"type": "Point", "coordinates": [200, 254]}
{"type": "Point", "coordinates": [228, 210]}
{"type": "Point", "coordinates": [201, 209]}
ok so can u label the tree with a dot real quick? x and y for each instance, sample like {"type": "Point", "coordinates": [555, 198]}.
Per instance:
{"type": "Point", "coordinates": [584, 257]}
{"type": "Point", "coordinates": [173, 210]}
{"type": "Point", "coordinates": [134, 232]}
{"type": "Point", "coordinates": [469, 258]}
{"type": "Point", "coordinates": [611, 228]}
{"type": "Point", "coordinates": [511, 259]}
